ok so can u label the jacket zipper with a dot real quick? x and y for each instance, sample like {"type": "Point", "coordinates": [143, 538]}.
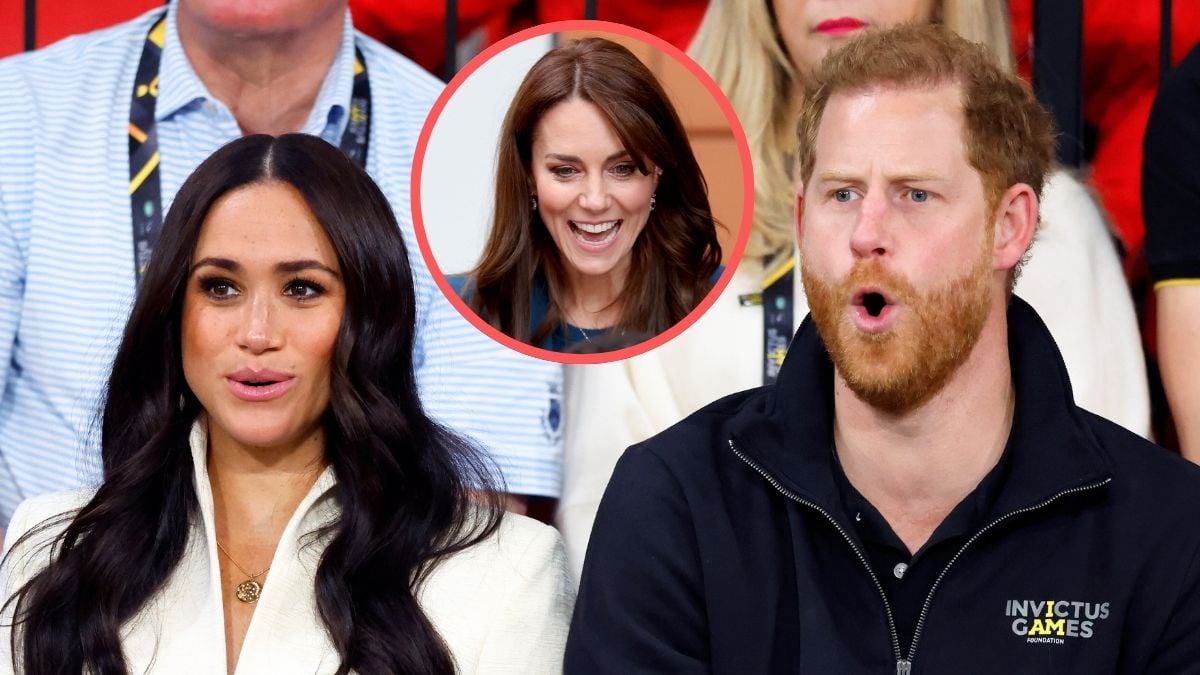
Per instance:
{"type": "Point", "coordinates": [912, 649]}
{"type": "Point", "coordinates": [904, 665]}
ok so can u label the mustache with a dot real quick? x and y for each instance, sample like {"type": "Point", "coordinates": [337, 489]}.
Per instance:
{"type": "Point", "coordinates": [874, 274]}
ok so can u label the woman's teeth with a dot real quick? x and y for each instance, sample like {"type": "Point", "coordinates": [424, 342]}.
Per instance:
{"type": "Point", "coordinates": [594, 235]}
{"type": "Point", "coordinates": [596, 228]}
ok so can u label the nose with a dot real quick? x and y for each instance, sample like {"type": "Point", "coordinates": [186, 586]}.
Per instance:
{"type": "Point", "coordinates": [595, 194]}
{"type": "Point", "coordinates": [259, 331]}
{"type": "Point", "coordinates": [871, 237]}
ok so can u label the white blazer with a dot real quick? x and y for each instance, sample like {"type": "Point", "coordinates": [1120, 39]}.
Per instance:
{"type": "Point", "coordinates": [502, 606]}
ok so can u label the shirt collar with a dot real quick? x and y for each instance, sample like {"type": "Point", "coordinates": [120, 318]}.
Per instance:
{"type": "Point", "coordinates": [1051, 449]}
{"type": "Point", "coordinates": [179, 86]}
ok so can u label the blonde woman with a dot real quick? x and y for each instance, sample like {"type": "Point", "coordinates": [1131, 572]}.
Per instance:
{"type": "Point", "coordinates": [758, 52]}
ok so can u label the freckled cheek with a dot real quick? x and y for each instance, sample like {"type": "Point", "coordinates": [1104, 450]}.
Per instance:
{"type": "Point", "coordinates": [205, 333]}
{"type": "Point", "coordinates": [313, 340]}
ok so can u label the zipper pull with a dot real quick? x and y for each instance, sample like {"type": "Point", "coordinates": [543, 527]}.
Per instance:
{"type": "Point", "coordinates": [903, 667]}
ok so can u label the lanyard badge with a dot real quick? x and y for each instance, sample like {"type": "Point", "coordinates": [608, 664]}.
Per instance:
{"type": "Point", "coordinates": [145, 183]}
{"type": "Point", "coordinates": [776, 298]}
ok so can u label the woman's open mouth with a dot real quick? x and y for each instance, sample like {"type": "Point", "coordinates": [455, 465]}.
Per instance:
{"type": "Point", "coordinates": [597, 234]}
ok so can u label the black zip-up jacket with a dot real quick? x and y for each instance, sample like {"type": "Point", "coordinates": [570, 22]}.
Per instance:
{"type": "Point", "coordinates": [720, 546]}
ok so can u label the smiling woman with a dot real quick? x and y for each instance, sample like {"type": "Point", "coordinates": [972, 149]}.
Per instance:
{"type": "Point", "coordinates": [275, 499]}
{"type": "Point", "coordinates": [601, 230]}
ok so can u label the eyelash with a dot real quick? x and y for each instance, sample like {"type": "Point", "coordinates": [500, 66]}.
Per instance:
{"type": "Point", "coordinates": [209, 286]}
{"type": "Point", "coordinates": [317, 288]}
{"type": "Point", "coordinates": [833, 194]}
{"type": "Point", "coordinates": [622, 170]}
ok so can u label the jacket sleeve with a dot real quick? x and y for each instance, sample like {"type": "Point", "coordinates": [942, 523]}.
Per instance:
{"type": "Point", "coordinates": [528, 633]}
{"type": "Point", "coordinates": [16, 568]}
{"type": "Point", "coordinates": [640, 607]}
{"type": "Point", "coordinates": [1178, 649]}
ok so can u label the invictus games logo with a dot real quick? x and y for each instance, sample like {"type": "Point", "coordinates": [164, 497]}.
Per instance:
{"type": "Point", "coordinates": [1051, 621]}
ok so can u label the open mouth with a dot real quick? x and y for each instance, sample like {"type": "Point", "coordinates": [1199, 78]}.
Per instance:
{"type": "Point", "coordinates": [874, 302]}
{"type": "Point", "coordinates": [595, 234]}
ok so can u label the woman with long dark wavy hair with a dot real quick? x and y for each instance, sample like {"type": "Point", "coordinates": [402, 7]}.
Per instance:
{"type": "Point", "coordinates": [601, 224]}
{"type": "Point", "coordinates": [274, 497]}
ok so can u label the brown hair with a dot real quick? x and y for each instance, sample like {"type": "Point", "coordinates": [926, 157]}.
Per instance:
{"type": "Point", "coordinates": [1009, 136]}
{"type": "Point", "coordinates": [675, 255]}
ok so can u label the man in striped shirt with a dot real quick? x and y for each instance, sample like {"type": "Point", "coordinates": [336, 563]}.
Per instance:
{"type": "Point", "coordinates": [68, 240]}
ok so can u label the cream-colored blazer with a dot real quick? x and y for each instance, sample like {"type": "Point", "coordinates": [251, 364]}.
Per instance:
{"type": "Point", "coordinates": [502, 606]}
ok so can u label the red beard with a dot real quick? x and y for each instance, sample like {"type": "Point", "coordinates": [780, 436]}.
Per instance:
{"type": "Point", "coordinates": [900, 369]}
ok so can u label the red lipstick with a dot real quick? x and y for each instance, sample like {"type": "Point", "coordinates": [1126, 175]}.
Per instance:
{"type": "Point", "coordinates": [840, 26]}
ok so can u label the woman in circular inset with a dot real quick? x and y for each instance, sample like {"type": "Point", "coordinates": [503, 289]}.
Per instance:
{"type": "Point", "coordinates": [275, 499]}
{"type": "Point", "coordinates": [601, 230]}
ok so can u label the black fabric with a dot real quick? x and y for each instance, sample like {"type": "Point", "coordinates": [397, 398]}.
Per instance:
{"type": "Point", "coordinates": [1171, 175]}
{"type": "Point", "coordinates": [907, 589]}
{"type": "Point", "coordinates": [722, 545]}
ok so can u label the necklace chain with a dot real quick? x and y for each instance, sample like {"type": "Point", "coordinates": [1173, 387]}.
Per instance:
{"type": "Point", "coordinates": [239, 567]}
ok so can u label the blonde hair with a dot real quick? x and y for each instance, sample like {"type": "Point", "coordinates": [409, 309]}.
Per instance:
{"type": "Point", "coordinates": [738, 43]}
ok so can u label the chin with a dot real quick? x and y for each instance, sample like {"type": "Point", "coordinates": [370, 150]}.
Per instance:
{"type": "Point", "coordinates": [260, 430]}
{"type": "Point", "coordinates": [594, 270]}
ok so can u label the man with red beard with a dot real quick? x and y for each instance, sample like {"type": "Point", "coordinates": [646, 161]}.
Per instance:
{"type": "Point", "coordinates": [918, 492]}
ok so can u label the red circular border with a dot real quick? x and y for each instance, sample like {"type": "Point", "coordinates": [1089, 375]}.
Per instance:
{"type": "Point", "coordinates": [739, 137]}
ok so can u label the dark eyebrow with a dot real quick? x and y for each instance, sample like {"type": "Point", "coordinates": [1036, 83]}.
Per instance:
{"type": "Point", "coordinates": [286, 267]}
{"type": "Point", "coordinates": [293, 266]}
{"type": "Point", "coordinates": [223, 263]}
{"type": "Point", "coordinates": [573, 158]}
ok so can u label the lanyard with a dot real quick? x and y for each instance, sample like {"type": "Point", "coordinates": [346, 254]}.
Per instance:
{"type": "Point", "coordinates": [145, 185]}
{"type": "Point", "coordinates": [776, 299]}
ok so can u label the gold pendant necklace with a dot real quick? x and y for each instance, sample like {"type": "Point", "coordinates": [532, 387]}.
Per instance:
{"type": "Point", "coordinates": [249, 590]}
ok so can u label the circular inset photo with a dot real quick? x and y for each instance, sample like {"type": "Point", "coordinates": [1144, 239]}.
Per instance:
{"type": "Point", "coordinates": [582, 191]}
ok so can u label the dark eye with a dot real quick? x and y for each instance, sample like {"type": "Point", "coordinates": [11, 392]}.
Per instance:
{"type": "Point", "coordinates": [843, 195]}
{"type": "Point", "coordinates": [303, 289]}
{"type": "Point", "coordinates": [919, 196]}
{"type": "Point", "coordinates": [218, 288]}
{"type": "Point", "coordinates": [624, 170]}
{"type": "Point", "coordinates": [563, 171]}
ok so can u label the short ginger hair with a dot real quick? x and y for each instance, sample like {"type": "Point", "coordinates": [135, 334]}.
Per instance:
{"type": "Point", "coordinates": [1010, 137]}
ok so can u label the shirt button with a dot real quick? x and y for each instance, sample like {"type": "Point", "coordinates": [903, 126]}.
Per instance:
{"type": "Point", "coordinates": [899, 570]}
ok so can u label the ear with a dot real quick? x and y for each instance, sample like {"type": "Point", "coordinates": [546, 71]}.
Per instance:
{"type": "Point", "coordinates": [1016, 223]}
{"type": "Point", "coordinates": [798, 211]}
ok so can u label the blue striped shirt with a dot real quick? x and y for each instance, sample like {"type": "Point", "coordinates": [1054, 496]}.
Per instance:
{"type": "Point", "coordinates": [66, 252]}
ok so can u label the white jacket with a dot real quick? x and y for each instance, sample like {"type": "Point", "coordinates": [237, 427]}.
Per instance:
{"type": "Point", "coordinates": [1073, 279]}
{"type": "Point", "coordinates": [502, 606]}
